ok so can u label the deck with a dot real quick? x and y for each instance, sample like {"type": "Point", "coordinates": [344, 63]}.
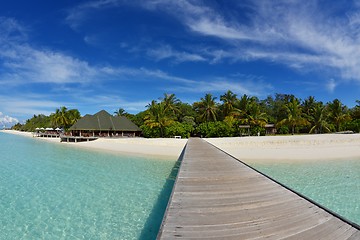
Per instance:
{"type": "Point", "coordinates": [64, 138]}
{"type": "Point", "coordinates": [218, 197]}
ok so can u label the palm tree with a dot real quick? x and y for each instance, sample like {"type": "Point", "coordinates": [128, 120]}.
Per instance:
{"type": "Point", "coordinates": [294, 115]}
{"type": "Point", "coordinates": [317, 120]}
{"type": "Point", "coordinates": [207, 108]}
{"type": "Point", "coordinates": [254, 116]}
{"type": "Point", "coordinates": [120, 112]}
{"type": "Point", "coordinates": [355, 111]}
{"type": "Point", "coordinates": [65, 118]}
{"type": "Point", "coordinates": [73, 115]}
{"type": "Point", "coordinates": [61, 118]}
{"type": "Point", "coordinates": [243, 103]}
{"type": "Point", "coordinates": [309, 105]}
{"type": "Point", "coordinates": [229, 100]}
{"type": "Point", "coordinates": [158, 116]}
{"type": "Point", "coordinates": [250, 112]}
{"type": "Point", "coordinates": [337, 113]}
{"type": "Point", "coordinates": [171, 103]}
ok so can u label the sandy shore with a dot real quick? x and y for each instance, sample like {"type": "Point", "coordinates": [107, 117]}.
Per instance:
{"type": "Point", "coordinates": [166, 148]}
{"type": "Point", "coordinates": [248, 149]}
{"type": "Point", "coordinates": [291, 148]}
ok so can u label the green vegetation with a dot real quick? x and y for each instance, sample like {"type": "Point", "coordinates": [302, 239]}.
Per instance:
{"type": "Point", "coordinates": [62, 118]}
{"type": "Point", "coordinates": [169, 117]}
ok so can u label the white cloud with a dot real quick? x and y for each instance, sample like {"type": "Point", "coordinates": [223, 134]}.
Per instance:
{"type": "Point", "coordinates": [76, 16]}
{"type": "Point", "coordinates": [167, 52]}
{"type": "Point", "coordinates": [298, 34]}
{"type": "Point", "coordinates": [7, 121]}
{"type": "Point", "coordinates": [294, 33]}
{"type": "Point", "coordinates": [242, 84]}
{"type": "Point", "coordinates": [10, 29]}
{"type": "Point", "coordinates": [218, 28]}
{"type": "Point", "coordinates": [331, 85]}
{"type": "Point", "coordinates": [28, 64]}
{"type": "Point", "coordinates": [29, 104]}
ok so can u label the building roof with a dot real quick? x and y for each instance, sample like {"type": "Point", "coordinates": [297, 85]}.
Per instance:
{"type": "Point", "coordinates": [103, 121]}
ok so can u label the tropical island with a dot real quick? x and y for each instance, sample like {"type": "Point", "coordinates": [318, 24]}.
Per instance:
{"type": "Point", "coordinates": [232, 116]}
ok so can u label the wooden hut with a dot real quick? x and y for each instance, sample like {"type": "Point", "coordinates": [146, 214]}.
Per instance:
{"type": "Point", "coordinates": [270, 129]}
{"type": "Point", "coordinates": [103, 124]}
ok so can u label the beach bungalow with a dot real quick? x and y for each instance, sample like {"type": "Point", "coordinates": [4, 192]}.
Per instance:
{"type": "Point", "coordinates": [103, 124]}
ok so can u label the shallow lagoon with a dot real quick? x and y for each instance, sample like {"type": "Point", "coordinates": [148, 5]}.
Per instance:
{"type": "Point", "coordinates": [334, 184]}
{"type": "Point", "coordinates": [50, 191]}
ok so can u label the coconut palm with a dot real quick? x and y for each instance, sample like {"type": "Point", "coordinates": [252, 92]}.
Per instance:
{"type": "Point", "coordinates": [229, 100]}
{"type": "Point", "coordinates": [318, 121]}
{"type": "Point", "coordinates": [64, 118]}
{"type": "Point", "coordinates": [355, 111]}
{"type": "Point", "coordinates": [207, 108]}
{"type": "Point", "coordinates": [243, 103]}
{"type": "Point", "coordinates": [73, 116]}
{"type": "Point", "coordinates": [294, 115]}
{"type": "Point", "coordinates": [158, 116]}
{"type": "Point", "coordinates": [171, 103]}
{"type": "Point", "coordinates": [255, 117]}
{"type": "Point", "coordinates": [337, 113]}
{"type": "Point", "coordinates": [309, 105]}
{"type": "Point", "coordinates": [61, 118]}
{"type": "Point", "coordinates": [120, 112]}
{"type": "Point", "coordinates": [250, 112]}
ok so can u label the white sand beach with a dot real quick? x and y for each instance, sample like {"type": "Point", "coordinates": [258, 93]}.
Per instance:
{"type": "Point", "coordinates": [248, 149]}
{"type": "Point", "coordinates": [291, 148]}
{"type": "Point", "coordinates": [159, 148]}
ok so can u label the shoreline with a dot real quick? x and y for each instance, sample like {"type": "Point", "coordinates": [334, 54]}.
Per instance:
{"type": "Point", "coordinates": [291, 149]}
{"type": "Point", "coordinates": [156, 148]}
{"type": "Point", "coordinates": [264, 149]}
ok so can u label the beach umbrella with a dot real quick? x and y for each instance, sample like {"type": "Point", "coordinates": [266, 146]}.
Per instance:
{"type": "Point", "coordinates": [49, 129]}
{"type": "Point", "coordinates": [58, 129]}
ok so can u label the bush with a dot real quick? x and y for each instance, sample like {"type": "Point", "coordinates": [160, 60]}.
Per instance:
{"type": "Point", "coordinates": [354, 126]}
{"type": "Point", "coordinates": [254, 131]}
{"type": "Point", "coordinates": [283, 130]}
{"type": "Point", "coordinates": [179, 129]}
{"type": "Point", "coordinates": [214, 129]}
{"type": "Point", "coordinates": [150, 132]}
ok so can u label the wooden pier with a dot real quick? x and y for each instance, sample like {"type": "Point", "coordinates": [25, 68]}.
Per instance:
{"type": "Point", "coordinates": [218, 197]}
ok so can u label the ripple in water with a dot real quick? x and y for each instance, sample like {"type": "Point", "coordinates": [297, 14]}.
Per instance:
{"type": "Point", "coordinates": [50, 191]}
{"type": "Point", "coordinates": [333, 184]}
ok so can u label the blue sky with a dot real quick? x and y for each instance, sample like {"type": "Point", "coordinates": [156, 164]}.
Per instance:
{"type": "Point", "coordinates": [107, 54]}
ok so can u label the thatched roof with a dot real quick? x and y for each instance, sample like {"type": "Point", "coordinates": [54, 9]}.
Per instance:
{"type": "Point", "coordinates": [103, 121]}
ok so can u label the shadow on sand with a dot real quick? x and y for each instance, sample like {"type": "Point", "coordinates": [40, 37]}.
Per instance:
{"type": "Point", "coordinates": [153, 223]}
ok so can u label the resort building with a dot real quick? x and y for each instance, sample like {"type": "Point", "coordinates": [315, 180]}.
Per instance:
{"type": "Point", "coordinates": [103, 124]}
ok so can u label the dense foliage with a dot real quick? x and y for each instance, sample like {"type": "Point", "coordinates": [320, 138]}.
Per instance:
{"type": "Point", "coordinates": [231, 116]}
{"type": "Point", "coordinates": [62, 118]}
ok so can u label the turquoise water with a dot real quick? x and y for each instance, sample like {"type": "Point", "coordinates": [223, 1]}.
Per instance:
{"type": "Point", "coordinates": [52, 191]}
{"type": "Point", "coordinates": [333, 184]}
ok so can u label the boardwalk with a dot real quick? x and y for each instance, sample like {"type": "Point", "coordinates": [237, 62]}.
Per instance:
{"type": "Point", "coordinates": [218, 197]}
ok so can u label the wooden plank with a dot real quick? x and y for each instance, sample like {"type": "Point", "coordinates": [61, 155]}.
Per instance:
{"type": "Point", "coordinates": [217, 197]}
